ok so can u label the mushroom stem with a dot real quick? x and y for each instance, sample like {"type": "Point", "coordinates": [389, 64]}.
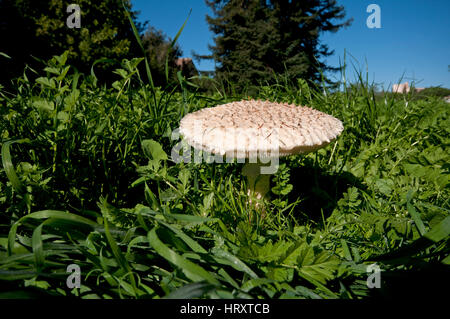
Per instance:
{"type": "Point", "coordinates": [258, 184]}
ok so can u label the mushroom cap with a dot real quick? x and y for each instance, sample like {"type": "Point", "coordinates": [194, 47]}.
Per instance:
{"type": "Point", "coordinates": [245, 128]}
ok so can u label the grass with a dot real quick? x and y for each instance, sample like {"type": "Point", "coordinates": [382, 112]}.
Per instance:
{"type": "Point", "coordinates": [88, 178]}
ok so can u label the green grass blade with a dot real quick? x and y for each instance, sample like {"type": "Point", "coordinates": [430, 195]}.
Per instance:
{"type": "Point", "coordinates": [16, 274]}
{"type": "Point", "coordinates": [256, 282]}
{"type": "Point", "coordinates": [138, 39]}
{"type": "Point", "coordinates": [235, 262]}
{"type": "Point", "coordinates": [118, 254]}
{"type": "Point", "coordinates": [319, 285]}
{"type": "Point", "coordinates": [191, 219]}
{"type": "Point", "coordinates": [414, 214]}
{"type": "Point", "coordinates": [346, 250]}
{"type": "Point", "coordinates": [5, 55]}
{"type": "Point", "coordinates": [439, 232]}
{"type": "Point", "coordinates": [181, 29]}
{"type": "Point", "coordinates": [101, 60]}
{"type": "Point", "coordinates": [8, 166]}
{"type": "Point", "coordinates": [44, 215]}
{"type": "Point", "coordinates": [37, 246]}
{"type": "Point", "coordinates": [191, 270]}
{"type": "Point", "coordinates": [192, 290]}
{"type": "Point", "coordinates": [172, 44]}
{"type": "Point", "coordinates": [196, 247]}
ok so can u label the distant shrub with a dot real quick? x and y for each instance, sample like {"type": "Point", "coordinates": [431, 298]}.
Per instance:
{"type": "Point", "coordinates": [434, 91]}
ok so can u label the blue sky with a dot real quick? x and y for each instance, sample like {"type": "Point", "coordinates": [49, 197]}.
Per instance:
{"type": "Point", "coordinates": [413, 41]}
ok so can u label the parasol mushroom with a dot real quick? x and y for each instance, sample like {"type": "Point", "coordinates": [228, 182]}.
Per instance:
{"type": "Point", "coordinates": [256, 132]}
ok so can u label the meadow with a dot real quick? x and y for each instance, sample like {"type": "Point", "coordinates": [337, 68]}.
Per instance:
{"type": "Point", "coordinates": [87, 178]}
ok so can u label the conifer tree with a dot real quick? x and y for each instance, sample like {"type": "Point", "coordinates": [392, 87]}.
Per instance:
{"type": "Point", "coordinates": [257, 38]}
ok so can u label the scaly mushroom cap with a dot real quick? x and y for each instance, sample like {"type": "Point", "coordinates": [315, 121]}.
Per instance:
{"type": "Point", "coordinates": [242, 129]}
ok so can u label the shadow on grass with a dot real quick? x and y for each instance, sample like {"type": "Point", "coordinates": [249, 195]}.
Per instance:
{"type": "Point", "coordinates": [318, 190]}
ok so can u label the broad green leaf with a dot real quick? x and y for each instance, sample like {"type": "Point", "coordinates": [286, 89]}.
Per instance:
{"type": "Point", "coordinates": [44, 105]}
{"type": "Point", "coordinates": [63, 116]}
{"type": "Point", "coordinates": [62, 59]}
{"type": "Point", "coordinates": [446, 260]}
{"type": "Point", "coordinates": [154, 151]}
{"type": "Point", "coordinates": [169, 195]}
{"type": "Point", "coordinates": [46, 82]}
{"type": "Point", "coordinates": [183, 176]}
{"type": "Point", "coordinates": [71, 100]}
{"type": "Point", "coordinates": [385, 186]}
{"type": "Point", "coordinates": [319, 265]}
{"type": "Point", "coordinates": [440, 231]}
{"type": "Point", "coordinates": [121, 72]}
{"type": "Point", "coordinates": [52, 70]}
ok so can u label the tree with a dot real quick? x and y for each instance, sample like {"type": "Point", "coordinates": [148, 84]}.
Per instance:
{"type": "Point", "coordinates": [257, 38]}
{"type": "Point", "coordinates": [157, 46]}
{"type": "Point", "coordinates": [34, 28]}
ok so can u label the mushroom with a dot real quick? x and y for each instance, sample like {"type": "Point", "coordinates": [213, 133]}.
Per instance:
{"type": "Point", "coordinates": [256, 132]}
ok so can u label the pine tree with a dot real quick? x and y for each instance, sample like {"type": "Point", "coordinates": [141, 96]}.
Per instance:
{"type": "Point", "coordinates": [256, 39]}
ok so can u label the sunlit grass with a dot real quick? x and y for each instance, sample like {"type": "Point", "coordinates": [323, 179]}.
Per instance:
{"type": "Point", "coordinates": [88, 179]}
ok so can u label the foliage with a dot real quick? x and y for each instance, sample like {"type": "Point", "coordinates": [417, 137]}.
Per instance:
{"type": "Point", "coordinates": [158, 48]}
{"type": "Point", "coordinates": [257, 39]}
{"type": "Point", "coordinates": [89, 178]}
{"type": "Point", "coordinates": [434, 92]}
{"type": "Point", "coordinates": [38, 29]}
